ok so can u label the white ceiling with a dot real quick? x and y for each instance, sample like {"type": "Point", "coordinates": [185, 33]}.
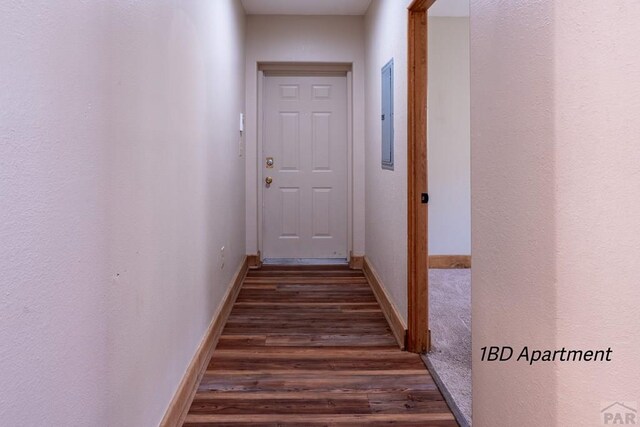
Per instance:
{"type": "Point", "coordinates": [450, 8]}
{"type": "Point", "coordinates": [306, 7]}
{"type": "Point", "coordinates": [341, 7]}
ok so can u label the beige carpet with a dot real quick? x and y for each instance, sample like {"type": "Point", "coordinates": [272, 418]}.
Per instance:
{"type": "Point", "coordinates": [450, 324]}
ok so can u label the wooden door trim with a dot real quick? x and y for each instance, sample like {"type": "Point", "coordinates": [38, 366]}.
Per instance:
{"type": "Point", "coordinates": [418, 338]}
{"type": "Point", "coordinates": [420, 5]}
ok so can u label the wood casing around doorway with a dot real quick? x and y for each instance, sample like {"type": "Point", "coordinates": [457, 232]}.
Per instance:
{"type": "Point", "coordinates": [417, 276]}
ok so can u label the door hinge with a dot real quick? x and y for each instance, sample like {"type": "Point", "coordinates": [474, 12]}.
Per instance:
{"type": "Point", "coordinates": [424, 198]}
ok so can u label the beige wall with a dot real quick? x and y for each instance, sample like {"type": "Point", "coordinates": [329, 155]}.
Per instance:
{"type": "Point", "coordinates": [386, 191]}
{"type": "Point", "coordinates": [555, 173]}
{"type": "Point", "coordinates": [449, 138]}
{"type": "Point", "coordinates": [597, 152]}
{"type": "Point", "coordinates": [275, 38]}
{"type": "Point", "coordinates": [121, 181]}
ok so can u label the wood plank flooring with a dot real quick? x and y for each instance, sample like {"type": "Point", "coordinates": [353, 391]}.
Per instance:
{"type": "Point", "coordinates": [309, 346]}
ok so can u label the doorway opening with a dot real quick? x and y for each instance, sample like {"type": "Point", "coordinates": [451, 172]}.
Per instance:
{"type": "Point", "coordinates": [304, 165]}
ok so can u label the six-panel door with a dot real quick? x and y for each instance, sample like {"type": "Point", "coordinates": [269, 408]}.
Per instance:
{"type": "Point", "coordinates": [305, 133]}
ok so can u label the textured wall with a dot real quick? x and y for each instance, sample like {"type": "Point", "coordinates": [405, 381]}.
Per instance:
{"type": "Point", "coordinates": [555, 196]}
{"type": "Point", "coordinates": [513, 208]}
{"type": "Point", "coordinates": [273, 38]}
{"type": "Point", "coordinates": [597, 152]}
{"type": "Point", "coordinates": [121, 181]}
{"type": "Point", "coordinates": [449, 138]}
{"type": "Point", "coordinates": [54, 271]}
{"type": "Point", "coordinates": [386, 191]}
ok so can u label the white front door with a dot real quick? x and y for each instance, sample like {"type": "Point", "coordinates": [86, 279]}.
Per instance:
{"type": "Point", "coordinates": [305, 139]}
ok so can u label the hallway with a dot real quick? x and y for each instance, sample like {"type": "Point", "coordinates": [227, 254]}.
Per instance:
{"type": "Point", "coordinates": [310, 346]}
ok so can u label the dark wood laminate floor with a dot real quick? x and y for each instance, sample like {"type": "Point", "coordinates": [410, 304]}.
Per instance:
{"type": "Point", "coordinates": [309, 346]}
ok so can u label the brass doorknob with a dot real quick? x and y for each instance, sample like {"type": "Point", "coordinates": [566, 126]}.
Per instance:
{"type": "Point", "coordinates": [268, 180]}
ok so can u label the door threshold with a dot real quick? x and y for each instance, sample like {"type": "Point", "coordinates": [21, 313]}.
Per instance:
{"type": "Point", "coordinates": [305, 261]}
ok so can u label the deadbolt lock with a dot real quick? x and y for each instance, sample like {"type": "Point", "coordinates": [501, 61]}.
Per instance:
{"type": "Point", "coordinates": [269, 162]}
{"type": "Point", "coordinates": [268, 180]}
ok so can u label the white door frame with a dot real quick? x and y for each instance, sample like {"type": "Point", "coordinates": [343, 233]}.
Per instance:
{"type": "Point", "coordinates": [306, 69]}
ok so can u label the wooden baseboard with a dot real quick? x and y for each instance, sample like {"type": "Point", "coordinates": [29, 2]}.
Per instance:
{"type": "Point", "coordinates": [449, 261]}
{"type": "Point", "coordinates": [254, 261]}
{"type": "Point", "coordinates": [356, 262]}
{"type": "Point", "coordinates": [179, 406]}
{"type": "Point", "coordinates": [396, 322]}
